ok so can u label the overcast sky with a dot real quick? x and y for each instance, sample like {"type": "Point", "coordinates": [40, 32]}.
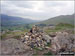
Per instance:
{"type": "Point", "coordinates": [37, 10]}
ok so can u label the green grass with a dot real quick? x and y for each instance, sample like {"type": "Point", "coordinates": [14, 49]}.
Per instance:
{"type": "Point", "coordinates": [48, 31]}
{"type": "Point", "coordinates": [3, 36]}
{"type": "Point", "coordinates": [48, 44]}
{"type": "Point", "coordinates": [38, 48]}
{"type": "Point", "coordinates": [49, 53]}
{"type": "Point", "coordinates": [16, 35]}
{"type": "Point", "coordinates": [60, 27]}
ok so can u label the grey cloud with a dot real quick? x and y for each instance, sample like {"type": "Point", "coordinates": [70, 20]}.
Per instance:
{"type": "Point", "coordinates": [53, 3]}
{"type": "Point", "coordinates": [24, 4]}
{"type": "Point", "coordinates": [26, 9]}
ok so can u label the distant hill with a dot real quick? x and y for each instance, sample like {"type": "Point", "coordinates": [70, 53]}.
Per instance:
{"type": "Point", "coordinates": [59, 19]}
{"type": "Point", "coordinates": [11, 20]}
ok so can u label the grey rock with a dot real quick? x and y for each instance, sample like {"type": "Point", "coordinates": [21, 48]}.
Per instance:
{"type": "Point", "coordinates": [65, 40]}
{"type": "Point", "coordinates": [13, 46]}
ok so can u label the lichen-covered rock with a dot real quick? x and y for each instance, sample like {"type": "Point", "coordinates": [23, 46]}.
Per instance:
{"type": "Point", "coordinates": [65, 41]}
{"type": "Point", "coordinates": [13, 46]}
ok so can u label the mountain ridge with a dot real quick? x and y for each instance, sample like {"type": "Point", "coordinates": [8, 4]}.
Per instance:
{"type": "Point", "coordinates": [12, 20]}
{"type": "Point", "coordinates": [59, 19]}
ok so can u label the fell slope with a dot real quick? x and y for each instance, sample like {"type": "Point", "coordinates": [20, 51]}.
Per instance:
{"type": "Point", "coordinates": [69, 19]}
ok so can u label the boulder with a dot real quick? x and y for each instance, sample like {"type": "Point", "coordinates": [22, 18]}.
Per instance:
{"type": "Point", "coordinates": [64, 40]}
{"type": "Point", "coordinates": [13, 46]}
{"type": "Point", "coordinates": [52, 34]}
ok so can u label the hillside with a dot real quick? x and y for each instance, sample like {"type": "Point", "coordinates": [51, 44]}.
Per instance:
{"type": "Point", "coordinates": [37, 43]}
{"type": "Point", "coordinates": [11, 20]}
{"type": "Point", "coordinates": [60, 19]}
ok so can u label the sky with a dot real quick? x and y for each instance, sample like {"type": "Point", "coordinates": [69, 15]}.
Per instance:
{"type": "Point", "coordinates": [37, 10]}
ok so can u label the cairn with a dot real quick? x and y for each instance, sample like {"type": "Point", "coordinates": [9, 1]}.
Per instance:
{"type": "Point", "coordinates": [34, 38]}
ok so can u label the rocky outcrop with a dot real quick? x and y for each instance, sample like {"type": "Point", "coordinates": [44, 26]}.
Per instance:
{"type": "Point", "coordinates": [13, 46]}
{"type": "Point", "coordinates": [63, 42]}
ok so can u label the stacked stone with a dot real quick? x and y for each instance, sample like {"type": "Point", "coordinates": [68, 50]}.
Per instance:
{"type": "Point", "coordinates": [34, 38]}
